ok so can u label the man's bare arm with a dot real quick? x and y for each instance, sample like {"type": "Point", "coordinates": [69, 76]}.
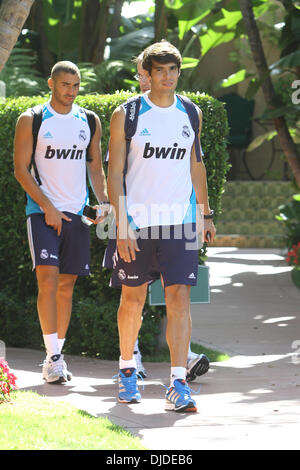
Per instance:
{"type": "Point", "coordinates": [199, 180]}
{"type": "Point", "coordinates": [23, 144]}
{"type": "Point", "coordinates": [95, 168]}
{"type": "Point", "coordinates": [127, 245]}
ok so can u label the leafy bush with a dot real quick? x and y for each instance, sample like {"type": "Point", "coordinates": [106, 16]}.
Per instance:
{"type": "Point", "coordinates": [93, 327]}
{"type": "Point", "coordinates": [20, 75]}
{"type": "Point", "coordinates": [289, 215]}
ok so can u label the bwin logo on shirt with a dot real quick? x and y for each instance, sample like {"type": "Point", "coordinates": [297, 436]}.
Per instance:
{"type": "Point", "coordinates": [73, 154]}
{"type": "Point", "coordinates": [174, 153]}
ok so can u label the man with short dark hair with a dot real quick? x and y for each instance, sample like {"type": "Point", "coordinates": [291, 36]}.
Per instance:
{"type": "Point", "coordinates": [56, 196]}
{"type": "Point", "coordinates": [157, 195]}
{"type": "Point", "coordinates": [197, 364]}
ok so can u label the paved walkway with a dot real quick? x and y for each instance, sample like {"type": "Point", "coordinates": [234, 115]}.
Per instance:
{"type": "Point", "coordinates": [248, 402]}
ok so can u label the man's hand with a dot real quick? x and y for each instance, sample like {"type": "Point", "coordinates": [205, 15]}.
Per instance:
{"type": "Point", "coordinates": [209, 231]}
{"type": "Point", "coordinates": [54, 217]}
{"type": "Point", "coordinates": [127, 246]}
{"type": "Point", "coordinates": [103, 210]}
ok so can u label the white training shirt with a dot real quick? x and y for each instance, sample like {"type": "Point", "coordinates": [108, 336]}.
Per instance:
{"type": "Point", "coordinates": [158, 182]}
{"type": "Point", "coordinates": [61, 159]}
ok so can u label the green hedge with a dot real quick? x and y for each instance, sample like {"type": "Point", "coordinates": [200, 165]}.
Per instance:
{"type": "Point", "coordinates": [93, 327]}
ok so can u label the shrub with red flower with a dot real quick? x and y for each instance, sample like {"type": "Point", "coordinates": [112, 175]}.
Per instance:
{"type": "Point", "coordinates": [293, 256]}
{"type": "Point", "coordinates": [7, 381]}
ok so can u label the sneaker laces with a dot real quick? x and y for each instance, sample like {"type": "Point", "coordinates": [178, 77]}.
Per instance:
{"type": "Point", "coordinates": [127, 379]}
{"type": "Point", "coordinates": [56, 365]}
{"type": "Point", "coordinates": [187, 386]}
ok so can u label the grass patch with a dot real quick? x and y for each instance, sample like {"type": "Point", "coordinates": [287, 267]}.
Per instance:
{"type": "Point", "coordinates": [32, 422]}
{"type": "Point", "coordinates": [163, 354]}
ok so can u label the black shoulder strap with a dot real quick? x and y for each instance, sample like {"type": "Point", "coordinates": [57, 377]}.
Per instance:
{"type": "Point", "coordinates": [132, 107]}
{"type": "Point", "coordinates": [92, 125]}
{"type": "Point", "coordinates": [194, 120]}
{"type": "Point", "coordinates": [131, 119]}
{"type": "Point", "coordinates": [37, 113]}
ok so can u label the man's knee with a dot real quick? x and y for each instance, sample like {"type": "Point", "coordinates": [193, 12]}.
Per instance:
{"type": "Point", "coordinates": [66, 284]}
{"type": "Point", "coordinates": [133, 297]}
{"type": "Point", "coordinates": [47, 279]}
{"type": "Point", "coordinates": [177, 298]}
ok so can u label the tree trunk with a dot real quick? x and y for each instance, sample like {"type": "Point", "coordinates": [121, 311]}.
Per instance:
{"type": "Point", "coordinates": [46, 58]}
{"type": "Point", "coordinates": [160, 20]}
{"type": "Point", "coordinates": [100, 33]}
{"type": "Point", "coordinates": [13, 14]}
{"type": "Point", "coordinates": [287, 144]}
{"type": "Point", "coordinates": [94, 26]}
{"type": "Point", "coordinates": [116, 19]}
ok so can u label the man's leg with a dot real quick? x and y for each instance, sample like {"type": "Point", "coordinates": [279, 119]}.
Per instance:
{"type": "Point", "coordinates": [47, 279]}
{"type": "Point", "coordinates": [179, 323]}
{"type": "Point", "coordinates": [130, 318]}
{"type": "Point", "coordinates": [64, 297]}
{"type": "Point", "coordinates": [129, 323]}
{"type": "Point", "coordinates": [178, 337]}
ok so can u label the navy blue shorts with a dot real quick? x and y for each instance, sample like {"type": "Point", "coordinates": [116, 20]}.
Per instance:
{"type": "Point", "coordinates": [70, 251]}
{"type": "Point", "coordinates": [174, 257]}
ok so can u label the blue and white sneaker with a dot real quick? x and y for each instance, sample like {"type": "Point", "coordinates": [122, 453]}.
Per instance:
{"type": "Point", "coordinates": [128, 389]}
{"type": "Point", "coordinates": [178, 397]}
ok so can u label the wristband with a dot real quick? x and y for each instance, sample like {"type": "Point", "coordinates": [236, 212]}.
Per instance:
{"type": "Point", "coordinates": [210, 215]}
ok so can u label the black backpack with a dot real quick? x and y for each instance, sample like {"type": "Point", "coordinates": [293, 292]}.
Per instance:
{"type": "Point", "coordinates": [37, 113]}
{"type": "Point", "coordinates": [131, 119]}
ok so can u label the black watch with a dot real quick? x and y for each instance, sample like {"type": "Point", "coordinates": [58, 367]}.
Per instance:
{"type": "Point", "coordinates": [210, 215]}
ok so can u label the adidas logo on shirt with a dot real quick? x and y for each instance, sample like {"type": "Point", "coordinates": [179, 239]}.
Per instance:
{"type": "Point", "coordinates": [48, 135]}
{"type": "Point", "coordinates": [144, 132]}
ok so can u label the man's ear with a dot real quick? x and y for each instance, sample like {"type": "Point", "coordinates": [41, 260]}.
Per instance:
{"type": "Point", "coordinates": [50, 83]}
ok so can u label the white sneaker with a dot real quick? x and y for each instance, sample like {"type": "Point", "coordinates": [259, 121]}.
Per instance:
{"type": "Point", "coordinates": [197, 364]}
{"type": "Point", "coordinates": [54, 370]}
{"type": "Point", "coordinates": [140, 369]}
{"type": "Point", "coordinates": [67, 372]}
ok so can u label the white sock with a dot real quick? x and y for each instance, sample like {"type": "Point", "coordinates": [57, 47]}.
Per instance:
{"type": "Point", "coordinates": [191, 354]}
{"type": "Point", "coordinates": [127, 364]}
{"type": "Point", "coordinates": [61, 342]}
{"type": "Point", "coordinates": [177, 373]}
{"type": "Point", "coordinates": [51, 344]}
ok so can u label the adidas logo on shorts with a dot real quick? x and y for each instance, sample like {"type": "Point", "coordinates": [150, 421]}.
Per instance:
{"type": "Point", "coordinates": [192, 276]}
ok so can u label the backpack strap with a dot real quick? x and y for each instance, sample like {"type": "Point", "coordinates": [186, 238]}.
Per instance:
{"type": "Point", "coordinates": [193, 115]}
{"type": "Point", "coordinates": [92, 125]}
{"type": "Point", "coordinates": [37, 113]}
{"type": "Point", "coordinates": [132, 107]}
{"type": "Point", "coordinates": [131, 119]}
